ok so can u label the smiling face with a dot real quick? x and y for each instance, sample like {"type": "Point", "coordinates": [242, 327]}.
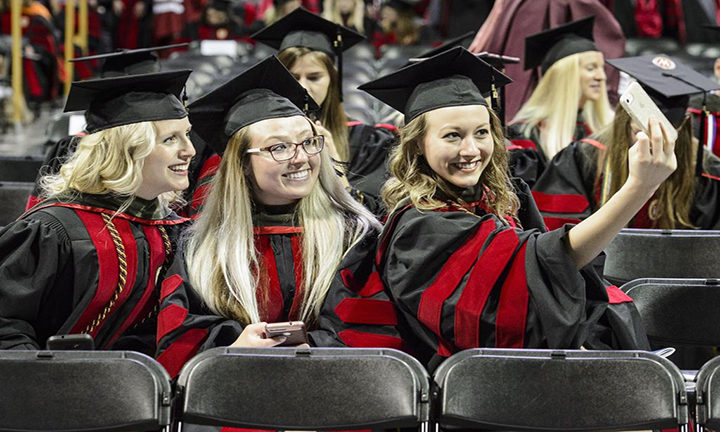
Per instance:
{"type": "Point", "coordinates": [166, 168]}
{"type": "Point", "coordinates": [592, 76]}
{"type": "Point", "coordinates": [281, 183]}
{"type": "Point", "coordinates": [458, 143]}
{"type": "Point", "coordinates": [312, 75]}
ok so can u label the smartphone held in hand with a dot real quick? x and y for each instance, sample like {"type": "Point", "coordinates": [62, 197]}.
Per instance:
{"type": "Point", "coordinates": [294, 331]}
{"type": "Point", "coordinates": [641, 109]}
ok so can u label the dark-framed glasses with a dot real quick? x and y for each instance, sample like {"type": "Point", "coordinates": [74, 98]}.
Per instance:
{"type": "Point", "coordinates": [285, 151]}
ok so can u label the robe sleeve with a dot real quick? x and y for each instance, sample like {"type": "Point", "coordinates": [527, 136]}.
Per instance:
{"type": "Point", "coordinates": [705, 212]}
{"type": "Point", "coordinates": [185, 326]}
{"type": "Point", "coordinates": [369, 150]}
{"type": "Point", "coordinates": [357, 311]}
{"type": "Point", "coordinates": [524, 157]}
{"type": "Point", "coordinates": [32, 253]}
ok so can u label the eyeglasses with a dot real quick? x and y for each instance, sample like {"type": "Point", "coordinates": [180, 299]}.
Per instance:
{"type": "Point", "coordinates": [285, 151]}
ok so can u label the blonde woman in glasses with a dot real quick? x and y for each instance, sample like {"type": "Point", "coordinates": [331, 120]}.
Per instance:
{"type": "Point", "coordinates": [279, 239]}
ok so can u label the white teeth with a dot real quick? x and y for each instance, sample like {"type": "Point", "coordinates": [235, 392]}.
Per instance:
{"type": "Point", "coordinates": [467, 165]}
{"type": "Point", "coordinates": [179, 168]}
{"type": "Point", "coordinates": [298, 175]}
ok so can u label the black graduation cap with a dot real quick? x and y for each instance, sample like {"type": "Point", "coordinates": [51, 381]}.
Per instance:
{"type": "Point", "coordinates": [302, 28]}
{"type": "Point", "coordinates": [221, 5]}
{"type": "Point", "coordinates": [401, 5]}
{"type": "Point", "coordinates": [129, 62]}
{"type": "Point", "coordinates": [306, 29]}
{"type": "Point", "coordinates": [545, 48]}
{"type": "Point", "coordinates": [669, 83]}
{"type": "Point", "coordinates": [452, 43]}
{"type": "Point", "coordinates": [118, 101]}
{"type": "Point", "coordinates": [267, 90]}
{"type": "Point", "coordinates": [455, 77]}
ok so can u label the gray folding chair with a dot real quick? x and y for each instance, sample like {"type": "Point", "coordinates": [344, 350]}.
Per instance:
{"type": "Point", "coordinates": [707, 387]}
{"type": "Point", "coordinates": [682, 313]}
{"type": "Point", "coordinates": [82, 391]}
{"type": "Point", "coordinates": [646, 253]}
{"type": "Point", "coordinates": [559, 390]}
{"type": "Point", "coordinates": [303, 389]}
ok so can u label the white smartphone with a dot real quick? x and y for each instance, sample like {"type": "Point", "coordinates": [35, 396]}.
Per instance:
{"type": "Point", "coordinates": [641, 108]}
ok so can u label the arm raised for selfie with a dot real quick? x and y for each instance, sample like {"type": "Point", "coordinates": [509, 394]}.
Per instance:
{"type": "Point", "coordinates": [651, 160]}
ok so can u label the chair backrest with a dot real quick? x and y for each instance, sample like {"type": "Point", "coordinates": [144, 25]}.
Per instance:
{"type": "Point", "coordinates": [13, 199]}
{"type": "Point", "coordinates": [707, 396]}
{"type": "Point", "coordinates": [303, 389]}
{"type": "Point", "coordinates": [82, 391]}
{"type": "Point", "coordinates": [498, 389]}
{"type": "Point", "coordinates": [678, 311]}
{"type": "Point", "coordinates": [20, 168]}
{"type": "Point", "coordinates": [643, 253]}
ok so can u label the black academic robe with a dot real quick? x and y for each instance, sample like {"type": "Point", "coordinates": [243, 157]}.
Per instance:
{"type": "Point", "coordinates": [56, 155]}
{"type": "Point", "coordinates": [78, 267]}
{"type": "Point", "coordinates": [527, 159]}
{"type": "Point", "coordinates": [462, 278]}
{"type": "Point", "coordinates": [569, 192]}
{"type": "Point", "coordinates": [356, 311]}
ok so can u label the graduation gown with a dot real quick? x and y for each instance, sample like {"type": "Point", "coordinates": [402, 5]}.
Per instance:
{"type": "Point", "coordinates": [462, 278]}
{"type": "Point", "coordinates": [54, 158]}
{"type": "Point", "coordinates": [526, 157]}
{"type": "Point", "coordinates": [568, 191]}
{"type": "Point", "coordinates": [77, 267]}
{"type": "Point", "coordinates": [356, 311]}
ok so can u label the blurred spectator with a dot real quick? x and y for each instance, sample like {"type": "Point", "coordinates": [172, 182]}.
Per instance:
{"type": "Point", "coordinates": [168, 20]}
{"type": "Point", "coordinates": [272, 12]}
{"type": "Point", "coordinates": [134, 22]}
{"type": "Point", "coordinates": [351, 14]}
{"type": "Point", "coordinates": [452, 18]}
{"type": "Point", "coordinates": [401, 25]}
{"type": "Point", "coordinates": [219, 21]}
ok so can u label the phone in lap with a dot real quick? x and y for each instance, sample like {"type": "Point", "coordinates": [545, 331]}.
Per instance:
{"type": "Point", "coordinates": [294, 331]}
{"type": "Point", "coordinates": [641, 108]}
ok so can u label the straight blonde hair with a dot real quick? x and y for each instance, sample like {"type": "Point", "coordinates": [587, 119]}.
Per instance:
{"type": "Point", "coordinates": [356, 18]}
{"type": "Point", "coordinates": [554, 103]}
{"type": "Point", "coordinates": [222, 259]}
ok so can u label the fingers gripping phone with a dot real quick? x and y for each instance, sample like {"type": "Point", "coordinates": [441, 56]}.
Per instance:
{"type": "Point", "coordinates": [294, 331]}
{"type": "Point", "coordinates": [641, 108]}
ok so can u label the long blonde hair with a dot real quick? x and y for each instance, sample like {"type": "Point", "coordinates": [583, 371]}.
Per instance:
{"type": "Point", "coordinates": [554, 103]}
{"type": "Point", "coordinates": [109, 161]}
{"type": "Point", "coordinates": [356, 18]}
{"type": "Point", "coordinates": [413, 178]}
{"type": "Point", "coordinates": [222, 258]}
{"type": "Point", "coordinates": [675, 195]}
{"type": "Point", "coordinates": [332, 114]}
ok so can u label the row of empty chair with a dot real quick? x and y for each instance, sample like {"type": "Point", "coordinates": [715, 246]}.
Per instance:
{"type": "Point", "coordinates": [344, 389]}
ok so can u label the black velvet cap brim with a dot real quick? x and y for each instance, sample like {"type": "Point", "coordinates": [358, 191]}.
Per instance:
{"type": "Point", "coordinates": [304, 28]}
{"type": "Point", "coordinates": [111, 102]}
{"type": "Point", "coordinates": [453, 78]}
{"type": "Point", "coordinates": [267, 90]}
{"type": "Point", "coordinates": [539, 46]}
{"type": "Point", "coordinates": [137, 61]}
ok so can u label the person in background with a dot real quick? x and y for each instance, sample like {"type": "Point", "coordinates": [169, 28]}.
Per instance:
{"type": "Point", "coordinates": [400, 25]}
{"type": "Point", "coordinates": [455, 261]}
{"type": "Point", "coordinates": [569, 103]}
{"type": "Point", "coordinates": [583, 177]}
{"type": "Point", "coordinates": [279, 238]}
{"type": "Point", "coordinates": [89, 257]}
{"type": "Point", "coordinates": [350, 14]}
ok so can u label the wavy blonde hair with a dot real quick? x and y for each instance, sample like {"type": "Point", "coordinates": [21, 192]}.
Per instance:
{"type": "Point", "coordinates": [675, 195]}
{"type": "Point", "coordinates": [356, 18]}
{"type": "Point", "coordinates": [222, 259]}
{"type": "Point", "coordinates": [332, 113]}
{"type": "Point", "coordinates": [109, 161]}
{"type": "Point", "coordinates": [554, 103]}
{"type": "Point", "coordinates": [413, 178]}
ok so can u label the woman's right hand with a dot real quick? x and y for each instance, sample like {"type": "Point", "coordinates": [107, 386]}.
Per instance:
{"type": "Point", "coordinates": [253, 336]}
{"type": "Point", "coordinates": [651, 159]}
